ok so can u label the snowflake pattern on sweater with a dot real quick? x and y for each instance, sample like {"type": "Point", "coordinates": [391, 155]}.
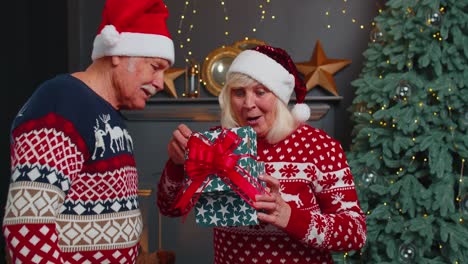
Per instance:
{"type": "Point", "coordinates": [73, 191]}
{"type": "Point", "coordinates": [315, 181]}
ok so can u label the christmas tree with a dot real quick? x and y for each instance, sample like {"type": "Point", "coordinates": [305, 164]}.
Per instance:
{"type": "Point", "coordinates": [410, 137]}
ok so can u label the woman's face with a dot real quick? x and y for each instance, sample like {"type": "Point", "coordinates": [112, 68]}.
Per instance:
{"type": "Point", "coordinates": [254, 105]}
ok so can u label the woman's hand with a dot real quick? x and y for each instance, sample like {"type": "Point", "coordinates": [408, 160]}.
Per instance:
{"type": "Point", "coordinates": [273, 209]}
{"type": "Point", "coordinates": [178, 143]}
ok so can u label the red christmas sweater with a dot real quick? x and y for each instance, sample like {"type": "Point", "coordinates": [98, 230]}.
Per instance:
{"type": "Point", "coordinates": [73, 191]}
{"type": "Point", "coordinates": [315, 181]}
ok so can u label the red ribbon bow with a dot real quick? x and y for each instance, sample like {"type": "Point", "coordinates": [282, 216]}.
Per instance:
{"type": "Point", "coordinates": [207, 158]}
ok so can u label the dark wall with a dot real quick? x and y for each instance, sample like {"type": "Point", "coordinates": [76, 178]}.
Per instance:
{"type": "Point", "coordinates": [35, 39]}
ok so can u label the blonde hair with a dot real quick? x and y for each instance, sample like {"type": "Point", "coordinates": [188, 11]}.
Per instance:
{"type": "Point", "coordinates": [284, 121]}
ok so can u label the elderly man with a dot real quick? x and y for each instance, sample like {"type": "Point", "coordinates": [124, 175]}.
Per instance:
{"type": "Point", "coordinates": [73, 191]}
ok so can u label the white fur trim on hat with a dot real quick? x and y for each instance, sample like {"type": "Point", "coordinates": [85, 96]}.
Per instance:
{"type": "Point", "coordinates": [132, 44]}
{"type": "Point", "coordinates": [301, 112]}
{"type": "Point", "coordinates": [266, 71]}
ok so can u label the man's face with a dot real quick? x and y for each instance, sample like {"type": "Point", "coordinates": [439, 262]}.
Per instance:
{"type": "Point", "coordinates": [136, 79]}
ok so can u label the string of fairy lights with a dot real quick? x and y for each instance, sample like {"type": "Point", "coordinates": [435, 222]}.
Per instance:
{"type": "Point", "coordinates": [462, 201]}
{"type": "Point", "coordinates": [186, 25]}
{"type": "Point", "coordinates": [226, 17]}
{"type": "Point", "coordinates": [461, 198]}
{"type": "Point", "coordinates": [343, 10]}
{"type": "Point", "coordinates": [262, 6]}
{"type": "Point", "coordinates": [262, 11]}
{"type": "Point", "coordinates": [401, 170]}
{"type": "Point", "coordinates": [433, 21]}
{"type": "Point", "coordinates": [186, 30]}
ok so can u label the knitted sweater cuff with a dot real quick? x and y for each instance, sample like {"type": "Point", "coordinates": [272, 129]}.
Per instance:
{"type": "Point", "coordinates": [298, 224]}
{"type": "Point", "coordinates": [174, 171]}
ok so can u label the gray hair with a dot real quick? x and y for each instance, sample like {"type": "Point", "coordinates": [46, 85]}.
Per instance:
{"type": "Point", "coordinates": [131, 66]}
{"type": "Point", "coordinates": [284, 121]}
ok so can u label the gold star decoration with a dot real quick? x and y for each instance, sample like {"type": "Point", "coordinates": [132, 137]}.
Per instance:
{"type": "Point", "coordinates": [319, 70]}
{"type": "Point", "coordinates": [169, 76]}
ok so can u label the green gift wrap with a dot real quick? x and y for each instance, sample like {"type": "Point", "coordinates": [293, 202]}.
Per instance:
{"type": "Point", "coordinates": [218, 204]}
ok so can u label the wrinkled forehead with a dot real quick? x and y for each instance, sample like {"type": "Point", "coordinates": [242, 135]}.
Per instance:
{"type": "Point", "coordinates": [158, 61]}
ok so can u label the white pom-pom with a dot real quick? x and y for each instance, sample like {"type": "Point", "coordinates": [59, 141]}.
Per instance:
{"type": "Point", "coordinates": [110, 35]}
{"type": "Point", "coordinates": [301, 112]}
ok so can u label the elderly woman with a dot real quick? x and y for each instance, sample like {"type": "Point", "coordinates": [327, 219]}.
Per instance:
{"type": "Point", "coordinates": [311, 208]}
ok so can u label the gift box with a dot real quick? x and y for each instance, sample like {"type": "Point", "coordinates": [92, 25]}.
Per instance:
{"type": "Point", "coordinates": [219, 203]}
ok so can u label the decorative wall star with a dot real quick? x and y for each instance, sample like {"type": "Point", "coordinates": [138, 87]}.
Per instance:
{"type": "Point", "coordinates": [319, 70]}
{"type": "Point", "coordinates": [169, 76]}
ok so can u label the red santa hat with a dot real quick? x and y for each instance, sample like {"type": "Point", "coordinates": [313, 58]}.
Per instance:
{"type": "Point", "coordinates": [134, 28]}
{"type": "Point", "coordinates": [274, 68]}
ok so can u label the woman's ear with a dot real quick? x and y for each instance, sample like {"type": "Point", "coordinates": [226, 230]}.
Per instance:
{"type": "Point", "coordinates": [115, 60]}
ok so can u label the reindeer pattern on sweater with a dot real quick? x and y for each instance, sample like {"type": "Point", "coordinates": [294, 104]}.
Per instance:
{"type": "Point", "coordinates": [73, 191]}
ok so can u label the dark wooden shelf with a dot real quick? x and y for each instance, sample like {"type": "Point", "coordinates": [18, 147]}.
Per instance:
{"type": "Point", "coordinates": [207, 109]}
{"type": "Point", "coordinates": [208, 100]}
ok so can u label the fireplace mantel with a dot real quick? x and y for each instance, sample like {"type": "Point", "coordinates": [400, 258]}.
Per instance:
{"type": "Point", "coordinates": [207, 109]}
